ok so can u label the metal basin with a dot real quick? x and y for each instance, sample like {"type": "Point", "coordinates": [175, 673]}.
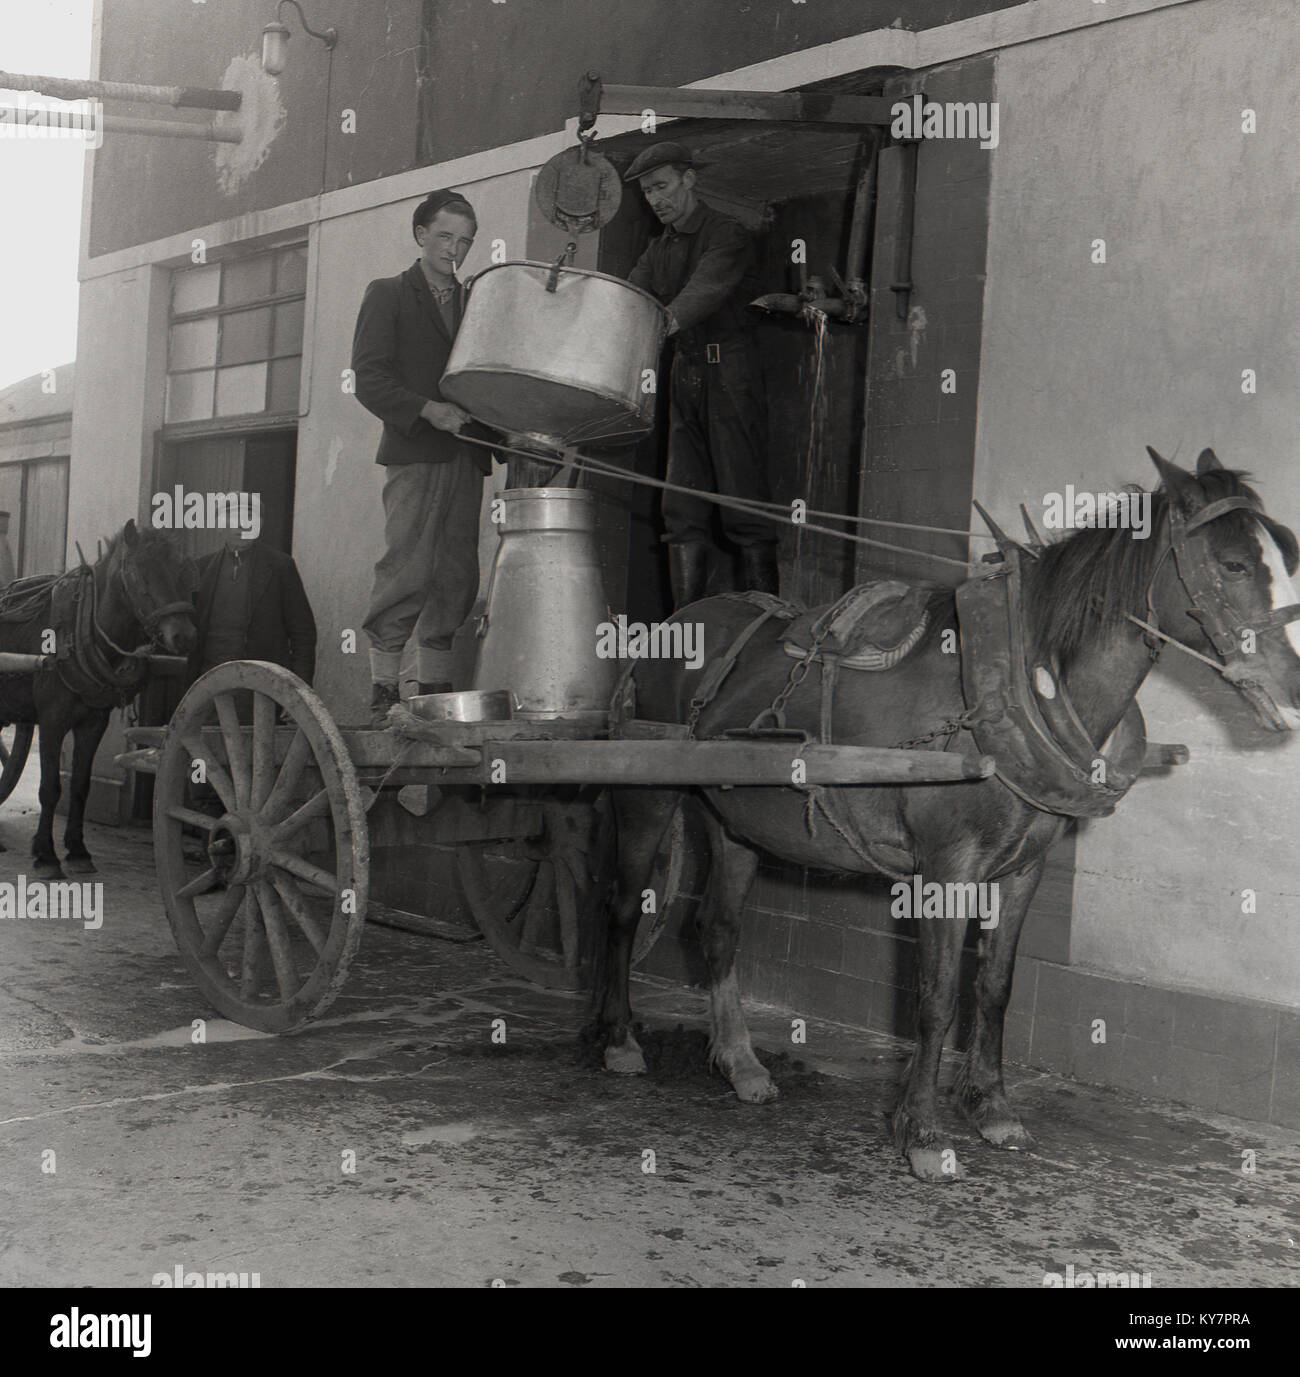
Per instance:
{"type": "Point", "coordinates": [567, 365]}
{"type": "Point", "coordinates": [470, 706]}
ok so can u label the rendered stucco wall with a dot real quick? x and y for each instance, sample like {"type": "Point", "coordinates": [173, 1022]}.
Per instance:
{"type": "Point", "coordinates": [121, 362]}
{"type": "Point", "coordinates": [1132, 132]}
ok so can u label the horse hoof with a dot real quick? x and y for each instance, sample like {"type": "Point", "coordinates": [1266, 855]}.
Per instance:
{"type": "Point", "coordinates": [757, 1088]}
{"type": "Point", "coordinates": [79, 865]}
{"type": "Point", "coordinates": [1006, 1133]}
{"type": "Point", "coordinates": [934, 1165]}
{"type": "Point", "coordinates": [625, 1061]}
{"type": "Point", "coordinates": [48, 870]}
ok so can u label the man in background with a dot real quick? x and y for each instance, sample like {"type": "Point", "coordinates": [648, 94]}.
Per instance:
{"type": "Point", "coordinates": [251, 605]}
{"type": "Point", "coordinates": [701, 268]}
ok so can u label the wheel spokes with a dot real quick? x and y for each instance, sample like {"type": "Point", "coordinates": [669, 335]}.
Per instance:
{"type": "Point", "coordinates": [221, 921]}
{"type": "Point", "coordinates": [509, 895]}
{"type": "Point", "coordinates": [292, 899]}
{"type": "Point", "coordinates": [305, 870]}
{"type": "Point", "coordinates": [254, 947]}
{"type": "Point", "coordinates": [277, 937]}
{"type": "Point", "coordinates": [195, 819]}
{"type": "Point", "coordinates": [214, 771]}
{"type": "Point", "coordinates": [201, 884]}
{"type": "Point", "coordinates": [286, 782]}
{"type": "Point", "coordinates": [536, 912]}
{"type": "Point", "coordinates": [264, 710]}
{"type": "Point", "coordinates": [233, 736]}
{"type": "Point", "coordinates": [315, 807]}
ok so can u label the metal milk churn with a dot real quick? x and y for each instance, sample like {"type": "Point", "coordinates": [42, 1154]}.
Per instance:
{"type": "Point", "coordinates": [545, 602]}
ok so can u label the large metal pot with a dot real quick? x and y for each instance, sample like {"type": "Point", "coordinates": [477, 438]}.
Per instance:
{"type": "Point", "coordinates": [557, 353]}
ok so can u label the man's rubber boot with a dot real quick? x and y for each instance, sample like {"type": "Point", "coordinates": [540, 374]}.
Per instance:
{"type": "Point", "coordinates": [382, 697]}
{"type": "Point", "coordinates": [688, 569]}
{"type": "Point", "coordinates": [758, 569]}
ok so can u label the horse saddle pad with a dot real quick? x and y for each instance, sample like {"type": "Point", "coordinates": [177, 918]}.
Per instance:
{"type": "Point", "coordinates": [872, 627]}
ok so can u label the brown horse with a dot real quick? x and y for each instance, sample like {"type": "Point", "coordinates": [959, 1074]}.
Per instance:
{"type": "Point", "coordinates": [1228, 576]}
{"type": "Point", "coordinates": [98, 623]}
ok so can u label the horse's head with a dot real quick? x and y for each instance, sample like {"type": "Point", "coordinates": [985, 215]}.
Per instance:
{"type": "Point", "coordinates": [158, 580]}
{"type": "Point", "coordinates": [1223, 586]}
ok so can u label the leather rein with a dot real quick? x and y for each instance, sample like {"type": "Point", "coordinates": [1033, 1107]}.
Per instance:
{"type": "Point", "coordinates": [92, 663]}
{"type": "Point", "coordinates": [1204, 588]}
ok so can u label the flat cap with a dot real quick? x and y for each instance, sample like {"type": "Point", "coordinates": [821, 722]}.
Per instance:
{"type": "Point", "coordinates": [659, 155]}
{"type": "Point", "coordinates": [436, 201]}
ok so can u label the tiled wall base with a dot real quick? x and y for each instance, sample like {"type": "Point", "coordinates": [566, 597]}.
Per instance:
{"type": "Point", "coordinates": [830, 950]}
{"type": "Point", "coordinates": [109, 800]}
{"type": "Point", "coordinates": [1228, 1055]}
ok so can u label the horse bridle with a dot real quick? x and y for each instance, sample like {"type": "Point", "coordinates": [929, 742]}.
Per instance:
{"type": "Point", "coordinates": [1204, 586]}
{"type": "Point", "coordinates": [136, 595]}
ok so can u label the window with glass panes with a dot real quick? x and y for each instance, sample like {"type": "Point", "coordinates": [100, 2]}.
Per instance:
{"type": "Point", "coordinates": [234, 346]}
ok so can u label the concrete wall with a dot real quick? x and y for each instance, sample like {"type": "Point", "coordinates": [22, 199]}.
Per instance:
{"type": "Point", "coordinates": [1132, 132]}
{"type": "Point", "coordinates": [117, 410]}
{"type": "Point", "coordinates": [293, 146]}
{"type": "Point", "coordinates": [427, 82]}
{"type": "Point", "coordinates": [120, 382]}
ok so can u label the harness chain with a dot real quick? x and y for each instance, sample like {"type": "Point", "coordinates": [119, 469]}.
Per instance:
{"type": "Point", "coordinates": [798, 673]}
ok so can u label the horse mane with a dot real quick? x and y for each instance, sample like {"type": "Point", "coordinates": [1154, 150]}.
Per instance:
{"type": "Point", "coordinates": [152, 539]}
{"type": "Point", "coordinates": [1084, 583]}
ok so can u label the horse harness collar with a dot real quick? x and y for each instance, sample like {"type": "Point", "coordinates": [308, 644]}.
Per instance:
{"type": "Point", "coordinates": [1053, 767]}
{"type": "Point", "coordinates": [83, 649]}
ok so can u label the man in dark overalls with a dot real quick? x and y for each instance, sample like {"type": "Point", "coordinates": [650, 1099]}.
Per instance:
{"type": "Point", "coordinates": [701, 267]}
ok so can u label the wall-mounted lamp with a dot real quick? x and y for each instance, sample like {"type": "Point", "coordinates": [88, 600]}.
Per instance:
{"type": "Point", "coordinates": [275, 38]}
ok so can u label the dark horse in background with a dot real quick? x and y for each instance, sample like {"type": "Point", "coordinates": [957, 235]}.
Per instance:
{"type": "Point", "coordinates": [104, 618]}
{"type": "Point", "coordinates": [1076, 600]}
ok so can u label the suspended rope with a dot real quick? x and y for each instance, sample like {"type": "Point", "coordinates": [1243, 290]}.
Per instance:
{"type": "Point", "coordinates": [782, 513]}
{"type": "Point", "coordinates": [769, 511]}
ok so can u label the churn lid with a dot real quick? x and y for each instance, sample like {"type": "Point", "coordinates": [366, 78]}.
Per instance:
{"type": "Point", "coordinates": [578, 190]}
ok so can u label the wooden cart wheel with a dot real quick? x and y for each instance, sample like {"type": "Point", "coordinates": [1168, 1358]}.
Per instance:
{"type": "Point", "coordinates": [269, 907]}
{"type": "Point", "coordinates": [15, 742]}
{"type": "Point", "coordinates": [538, 900]}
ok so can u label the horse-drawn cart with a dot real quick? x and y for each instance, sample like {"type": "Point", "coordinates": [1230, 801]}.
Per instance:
{"type": "Point", "coordinates": [269, 910]}
{"type": "Point", "coordinates": [266, 884]}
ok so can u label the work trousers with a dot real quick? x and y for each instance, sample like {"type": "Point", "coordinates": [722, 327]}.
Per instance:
{"type": "Point", "coordinates": [717, 442]}
{"type": "Point", "coordinates": [427, 580]}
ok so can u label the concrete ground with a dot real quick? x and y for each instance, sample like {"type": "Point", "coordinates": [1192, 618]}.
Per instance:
{"type": "Point", "coordinates": [524, 1165]}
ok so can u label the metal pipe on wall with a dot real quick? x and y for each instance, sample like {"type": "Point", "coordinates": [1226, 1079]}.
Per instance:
{"type": "Point", "coordinates": [66, 88]}
{"type": "Point", "coordinates": [852, 305]}
{"type": "Point", "coordinates": [128, 124]}
{"type": "Point", "coordinates": [864, 214]}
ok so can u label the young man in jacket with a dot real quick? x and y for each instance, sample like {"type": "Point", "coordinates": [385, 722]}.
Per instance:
{"type": "Point", "coordinates": [427, 579]}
